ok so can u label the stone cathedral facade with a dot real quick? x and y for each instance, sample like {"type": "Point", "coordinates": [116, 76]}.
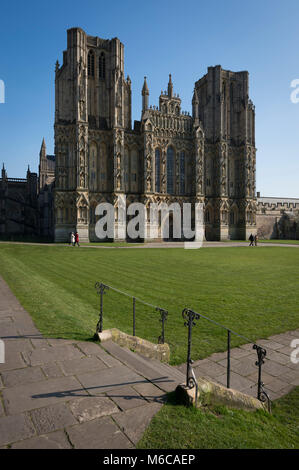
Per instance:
{"type": "Point", "coordinates": [167, 156]}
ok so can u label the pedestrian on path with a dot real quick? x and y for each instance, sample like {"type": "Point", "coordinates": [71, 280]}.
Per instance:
{"type": "Point", "coordinates": [251, 239]}
{"type": "Point", "coordinates": [255, 240]}
{"type": "Point", "coordinates": [73, 239]}
{"type": "Point", "coordinates": [77, 239]}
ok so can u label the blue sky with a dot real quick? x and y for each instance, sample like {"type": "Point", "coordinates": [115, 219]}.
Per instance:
{"type": "Point", "coordinates": [160, 37]}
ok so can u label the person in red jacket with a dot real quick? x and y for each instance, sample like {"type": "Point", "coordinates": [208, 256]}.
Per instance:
{"type": "Point", "coordinates": [77, 239]}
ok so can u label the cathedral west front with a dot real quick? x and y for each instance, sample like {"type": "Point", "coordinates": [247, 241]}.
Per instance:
{"type": "Point", "coordinates": [166, 157]}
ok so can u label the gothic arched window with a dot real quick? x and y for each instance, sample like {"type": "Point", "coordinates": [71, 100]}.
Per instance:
{"type": "Point", "coordinates": [92, 166]}
{"type": "Point", "coordinates": [90, 62]}
{"type": "Point", "coordinates": [182, 172]}
{"type": "Point", "coordinates": [232, 217]}
{"type": "Point", "coordinates": [157, 169]}
{"type": "Point", "coordinates": [102, 65]}
{"type": "Point", "coordinates": [170, 170]}
{"type": "Point", "coordinates": [207, 215]}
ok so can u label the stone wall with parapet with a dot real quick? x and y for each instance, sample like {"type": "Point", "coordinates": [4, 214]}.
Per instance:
{"type": "Point", "coordinates": [277, 217]}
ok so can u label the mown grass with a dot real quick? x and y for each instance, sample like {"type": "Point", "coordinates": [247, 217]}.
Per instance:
{"type": "Point", "coordinates": [254, 292]}
{"type": "Point", "coordinates": [178, 427]}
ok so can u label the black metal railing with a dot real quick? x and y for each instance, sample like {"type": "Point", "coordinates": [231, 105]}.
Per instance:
{"type": "Point", "coordinates": [190, 318]}
{"type": "Point", "coordinates": [101, 290]}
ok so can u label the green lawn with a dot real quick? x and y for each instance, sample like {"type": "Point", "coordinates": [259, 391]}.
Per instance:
{"type": "Point", "coordinates": [178, 427]}
{"type": "Point", "coordinates": [254, 292]}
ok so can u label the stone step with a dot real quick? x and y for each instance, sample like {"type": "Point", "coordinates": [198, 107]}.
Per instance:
{"type": "Point", "coordinates": [166, 368]}
{"type": "Point", "coordinates": [162, 375]}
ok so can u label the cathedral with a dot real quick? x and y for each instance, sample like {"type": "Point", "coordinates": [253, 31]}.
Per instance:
{"type": "Point", "coordinates": [168, 156]}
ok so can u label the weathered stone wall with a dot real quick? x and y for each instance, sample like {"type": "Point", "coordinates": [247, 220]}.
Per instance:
{"type": "Point", "coordinates": [278, 218]}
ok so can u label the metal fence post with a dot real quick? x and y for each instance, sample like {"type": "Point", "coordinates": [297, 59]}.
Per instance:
{"type": "Point", "coordinates": [134, 307]}
{"type": "Point", "coordinates": [163, 319]}
{"type": "Point", "coordinates": [228, 360]}
{"type": "Point", "coordinates": [189, 316]}
{"type": "Point", "coordinates": [261, 353]}
{"type": "Point", "coordinates": [101, 291]}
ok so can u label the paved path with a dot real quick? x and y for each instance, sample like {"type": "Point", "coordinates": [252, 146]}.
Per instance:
{"type": "Point", "coordinates": [279, 374]}
{"type": "Point", "coordinates": [71, 394]}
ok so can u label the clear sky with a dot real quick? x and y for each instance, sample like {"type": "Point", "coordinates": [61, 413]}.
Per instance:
{"type": "Point", "coordinates": [160, 37]}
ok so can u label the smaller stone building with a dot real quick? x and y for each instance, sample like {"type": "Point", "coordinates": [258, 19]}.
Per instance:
{"type": "Point", "coordinates": [26, 204]}
{"type": "Point", "coordinates": [18, 206]}
{"type": "Point", "coordinates": [277, 217]}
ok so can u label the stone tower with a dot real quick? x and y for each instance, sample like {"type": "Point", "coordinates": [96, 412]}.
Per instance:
{"type": "Point", "coordinates": [92, 111]}
{"type": "Point", "coordinates": [228, 118]}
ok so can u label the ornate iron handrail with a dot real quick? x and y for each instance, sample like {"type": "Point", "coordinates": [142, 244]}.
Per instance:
{"type": "Point", "coordinates": [100, 287]}
{"type": "Point", "coordinates": [163, 312]}
{"type": "Point", "coordinates": [190, 316]}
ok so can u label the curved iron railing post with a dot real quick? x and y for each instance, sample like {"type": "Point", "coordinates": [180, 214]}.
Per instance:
{"type": "Point", "coordinates": [189, 316]}
{"type": "Point", "coordinates": [228, 359]}
{"type": "Point", "coordinates": [163, 319]}
{"type": "Point", "coordinates": [100, 287]}
{"type": "Point", "coordinates": [134, 319]}
{"type": "Point", "coordinates": [261, 353]}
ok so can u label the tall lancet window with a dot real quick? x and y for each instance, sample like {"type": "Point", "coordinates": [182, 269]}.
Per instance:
{"type": "Point", "coordinates": [90, 63]}
{"type": "Point", "coordinates": [182, 172]}
{"type": "Point", "coordinates": [158, 170]}
{"type": "Point", "coordinates": [102, 65]}
{"type": "Point", "coordinates": [92, 166]}
{"type": "Point", "coordinates": [170, 170]}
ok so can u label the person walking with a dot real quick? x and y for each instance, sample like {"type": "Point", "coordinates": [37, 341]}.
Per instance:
{"type": "Point", "coordinates": [77, 239]}
{"type": "Point", "coordinates": [73, 239]}
{"type": "Point", "coordinates": [251, 239]}
{"type": "Point", "coordinates": [255, 240]}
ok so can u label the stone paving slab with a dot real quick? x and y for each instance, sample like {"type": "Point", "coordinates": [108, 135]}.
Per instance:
{"type": "Point", "coordinates": [9, 331]}
{"type": "Point", "coordinates": [286, 350]}
{"type": "Point", "coordinates": [276, 385]}
{"type": "Point", "coordinates": [79, 366]}
{"type": "Point", "coordinates": [126, 398]}
{"type": "Point", "coordinates": [291, 377]}
{"type": "Point", "coordinates": [150, 392]}
{"type": "Point", "coordinates": [52, 418]}
{"type": "Point", "coordinates": [88, 408]}
{"type": "Point", "coordinates": [280, 358]}
{"type": "Point", "coordinates": [52, 370]}
{"type": "Point", "coordinates": [109, 379]}
{"type": "Point", "coordinates": [54, 440]}
{"type": "Point", "coordinates": [208, 367]}
{"type": "Point", "coordinates": [243, 366]}
{"type": "Point", "coordinates": [162, 375]}
{"type": "Point", "coordinates": [236, 381]}
{"type": "Point", "coordinates": [22, 376]}
{"type": "Point", "coordinates": [134, 422]}
{"type": "Point", "coordinates": [40, 394]}
{"type": "Point", "coordinates": [283, 339]}
{"type": "Point", "coordinates": [100, 433]}
{"type": "Point", "coordinates": [18, 345]}
{"type": "Point", "coordinates": [13, 360]}
{"type": "Point", "coordinates": [15, 428]}
{"type": "Point", "coordinates": [50, 354]}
